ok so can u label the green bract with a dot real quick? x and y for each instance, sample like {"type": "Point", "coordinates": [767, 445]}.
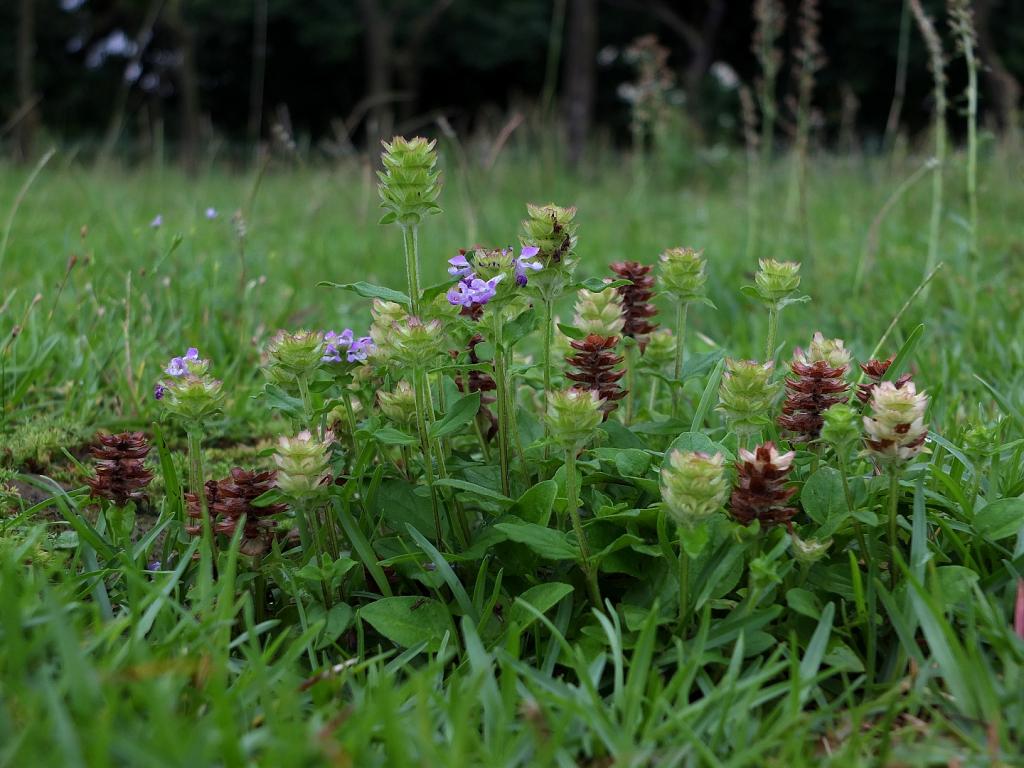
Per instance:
{"type": "Point", "coordinates": [573, 416]}
{"type": "Point", "coordinates": [747, 394]}
{"type": "Point", "coordinates": [777, 281]}
{"type": "Point", "coordinates": [302, 463]}
{"type": "Point", "coordinates": [682, 274]}
{"type": "Point", "coordinates": [599, 313]}
{"type": "Point", "coordinates": [291, 356]}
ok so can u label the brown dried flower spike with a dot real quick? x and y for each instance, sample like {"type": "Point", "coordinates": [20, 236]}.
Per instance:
{"type": "Point", "coordinates": [636, 307]}
{"type": "Point", "coordinates": [761, 493]}
{"type": "Point", "coordinates": [121, 473]}
{"type": "Point", "coordinates": [231, 499]}
{"type": "Point", "coordinates": [875, 370]}
{"type": "Point", "coordinates": [595, 361]}
{"type": "Point", "coordinates": [814, 389]}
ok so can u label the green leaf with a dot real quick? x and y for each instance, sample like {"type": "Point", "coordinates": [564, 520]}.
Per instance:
{"type": "Point", "coordinates": [1000, 519]}
{"type": "Point", "coordinates": [461, 413]}
{"type": "Point", "coordinates": [546, 542]}
{"type": "Point", "coordinates": [407, 621]}
{"type": "Point", "coordinates": [956, 583]}
{"type": "Point", "coordinates": [392, 436]}
{"type": "Point", "coordinates": [535, 505]}
{"type": "Point", "coordinates": [632, 462]}
{"type": "Point", "coordinates": [822, 496]}
{"type": "Point", "coordinates": [369, 291]}
{"type": "Point", "coordinates": [397, 503]}
{"type": "Point", "coordinates": [903, 356]}
{"type": "Point", "coordinates": [479, 490]}
{"type": "Point", "coordinates": [710, 390]}
{"type": "Point", "coordinates": [543, 597]}
{"type": "Point", "coordinates": [571, 331]}
{"type": "Point", "coordinates": [694, 539]}
{"type": "Point", "coordinates": [804, 602]}
{"type": "Point", "coordinates": [598, 284]}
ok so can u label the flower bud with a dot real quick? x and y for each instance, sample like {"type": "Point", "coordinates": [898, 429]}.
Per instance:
{"type": "Point", "coordinates": [189, 392]}
{"type": "Point", "coordinates": [682, 274]}
{"type": "Point", "coordinates": [693, 486]}
{"type": "Point", "coordinates": [386, 315]}
{"type": "Point", "coordinates": [841, 428]}
{"type": "Point", "coordinates": [573, 416]}
{"type": "Point", "coordinates": [302, 463]}
{"type": "Point", "coordinates": [599, 313]}
{"type": "Point", "coordinates": [552, 230]}
{"type": "Point", "coordinates": [896, 430]}
{"type": "Point", "coordinates": [746, 395]}
{"type": "Point", "coordinates": [400, 405]}
{"type": "Point", "coordinates": [409, 185]}
{"type": "Point", "coordinates": [660, 351]}
{"type": "Point", "coordinates": [809, 550]}
{"type": "Point", "coordinates": [292, 356]}
{"type": "Point", "coordinates": [776, 281]}
{"type": "Point", "coordinates": [417, 343]}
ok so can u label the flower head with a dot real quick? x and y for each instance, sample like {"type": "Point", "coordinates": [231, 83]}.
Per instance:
{"type": "Point", "coordinates": [399, 405]}
{"type": "Point", "coordinates": [415, 342]}
{"type": "Point", "coordinates": [816, 385]}
{"type": "Point", "coordinates": [409, 184]}
{"type": "Point", "coordinates": [211, 214]}
{"type": "Point", "coordinates": [840, 428]}
{"type": "Point", "coordinates": [302, 463]}
{"type": "Point", "coordinates": [157, 222]}
{"type": "Point", "coordinates": [355, 350]}
{"type": "Point", "coordinates": [682, 273]}
{"type": "Point", "coordinates": [472, 290]}
{"type": "Point", "coordinates": [551, 229]}
{"type": "Point", "coordinates": [637, 310]}
{"type": "Point", "coordinates": [525, 262]}
{"type": "Point", "coordinates": [121, 474]}
{"type": "Point", "coordinates": [459, 265]}
{"type": "Point", "coordinates": [776, 281]}
{"type": "Point", "coordinates": [599, 312]}
{"type": "Point", "coordinates": [189, 363]}
{"type": "Point", "coordinates": [693, 486]}
{"type": "Point", "coordinates": [746, 395]}
{"type": "Point", "coordinates": [829, 351]}
{"type": "Point", "coordinates": [291, 356]}
{"type": "Point", "coordinates": [573, 416]}
{"type": "Point", "coordinates": [760, 492]}
{"type": "Point", "coordinates": [896, 430]}
{"type": "Point", "coordinates": [596, 364]}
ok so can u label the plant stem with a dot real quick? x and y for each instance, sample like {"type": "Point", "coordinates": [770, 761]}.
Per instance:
{"type": "Point", "coordinates": [773, 332]}
{"type": "Point", "coordinates": [681, 310]}
{"type": "Point", "coordinates": [419, 378]}
{"type": "Point", "coordinates": [501, 381]}
{"type": "Point", "coordinates": [412, 266]}
{"type": "Point", "coordinates": [548, 330]}
{"type": "Point", "coordinates": [857, 527]}
{"type": "Point", "coordinates": [572, 501]}
{"type": "Point", "coordinates": [894, 495]}
{"type": "Point", "coordinates": [630, 382]}
{"type": "Point", "coordinates": [684, 587]}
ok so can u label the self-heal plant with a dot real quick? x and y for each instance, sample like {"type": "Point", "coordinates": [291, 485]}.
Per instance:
{"type": "Point", "coordinates": [291, 360]}
{"type": "Point", "coordinates": [775, 286]}
{"type": "Point", "coordinates": [895, 434]}
{"type": "Point", "coordinates": [693, 488]}
{"type": "Point", "coordinates": [573, 417]}
{"type": "Point", "coordinates": [598, 312]}
{"type": "Point", "coordinates": [302, 469]}
{"type": "Point", "coordinates": [683, 278]}
{"type": "Point", "coordinates": [409, 188]}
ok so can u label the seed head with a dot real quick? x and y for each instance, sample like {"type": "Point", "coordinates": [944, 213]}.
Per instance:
{"type": "Point", "coordinates": [595, 362]}
{"type": "Point", "coordinates": [399, 405]}
{"type": "Point", "coordinates": [875, 370]}
{"type": "Point", "coordinates": [636, 307]}
{"type": "Point", "coordinates": [693, 486]}
{"type": "Point", "coordinates": [814, 387]}
{"type": "Point", "coordinates": [121, 474]}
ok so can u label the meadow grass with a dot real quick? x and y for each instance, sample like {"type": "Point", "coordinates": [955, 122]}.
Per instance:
{"type": "Point", "coordinates": [103, 663]}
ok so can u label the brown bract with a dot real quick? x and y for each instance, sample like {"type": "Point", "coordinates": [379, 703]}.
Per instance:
{"type": "Point", "coordinates": [760, 492]}
{"type": "Point", "coordinates": [121, 473]}
{"type": "Point", "coordinates": [875, 370]}
{"type": "Point", "coordinates": [813, 389]}
{"type": "Point", "coordinates": [636, 307]}
{"type": "Point", "coordinates": [231, 499]}
{"type": "Point", "coordinates": [595, 362]}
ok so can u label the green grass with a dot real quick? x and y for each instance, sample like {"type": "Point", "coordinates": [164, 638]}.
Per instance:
{"type": "Point", "coordinates": [104, 663]}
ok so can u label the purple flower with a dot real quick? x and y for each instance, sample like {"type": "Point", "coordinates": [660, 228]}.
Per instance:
{"type": "Point", "coordinates": [460, 266]}
{"type": "Point", "coordinates": [211, 213]}
{"type": "Point", "coordinates": [158, 391]}
{"type": "Point", "coordinates": [523, 263]}
{"type": "Point", "coordinates": [472, 290]}
{"type": "Point", "coordinates": [179, 366]}
{"type": "Point", "coordinates": [157, 221]}
{"type": "Point", "coordinates": [360, 349]}
{"type": "Point", "coordinates": [154, 566]}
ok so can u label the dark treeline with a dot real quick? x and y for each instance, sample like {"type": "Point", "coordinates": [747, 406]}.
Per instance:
{"type": "Point", "coordinates": [343, 72]}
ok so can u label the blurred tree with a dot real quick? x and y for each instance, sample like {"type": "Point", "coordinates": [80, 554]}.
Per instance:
{"type": "Point", "coordinates": [26, 118]}
{"type": "Point", "coordinates": [579, 81]}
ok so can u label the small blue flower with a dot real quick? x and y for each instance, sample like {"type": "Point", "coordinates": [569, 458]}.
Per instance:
{"type": "Point", "coordinates": [333, 344]}
{"type": "Point", "coordinates": [460, 266]}
{"type": "Point", "coordinates": [360, 349]}
{"type": "Point", "coordinates": [523, 263]}
{"type": "Point", "coordinates": [158, 391]}
{"type": "Point", "coordinates": [157, 222]}
{"type": "Point", "coordinates": [211, 214]}
{"type": "Point", "coordinates": [179, 366]}
{"type": "Point", "coordinates": [472, 290]}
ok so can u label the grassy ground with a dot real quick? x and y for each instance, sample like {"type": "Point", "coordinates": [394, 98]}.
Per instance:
{"type": "Point", "coordinates": [102, 663]}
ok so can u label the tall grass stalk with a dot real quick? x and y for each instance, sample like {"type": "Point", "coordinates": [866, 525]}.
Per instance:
{"type": "Point", "coordinates": [961, 22]}
{"type": "Point", "coordinates": [936, 65]}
